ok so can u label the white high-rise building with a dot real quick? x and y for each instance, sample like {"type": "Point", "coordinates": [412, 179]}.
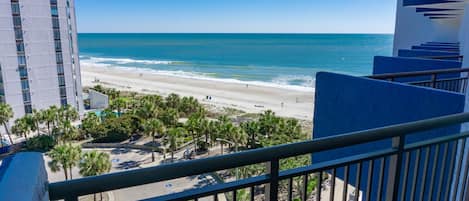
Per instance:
{"type": "Point", "coordinates": [39, 55]}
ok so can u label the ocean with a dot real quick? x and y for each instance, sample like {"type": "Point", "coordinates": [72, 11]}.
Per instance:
{"type": "Point", "coordinates": [280, 60]}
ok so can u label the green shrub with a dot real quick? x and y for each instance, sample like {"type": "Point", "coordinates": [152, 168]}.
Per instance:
{"type": "Point", "coordinates": [116, 130]}
{"type": "Point", "coordinates": [41, 143]}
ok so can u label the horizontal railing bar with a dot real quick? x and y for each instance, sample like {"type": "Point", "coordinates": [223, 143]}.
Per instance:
{"type": "Point", "coordinates": [438, 81]}
{"type": "Point", "coordinates": [213, 189]}
{"type": "Point", "coordinates": [436, 141]}
{"type": "Point", "coordinates": [418, 73]}
{"type": "Point", "coordinates": [164, 172]}
{"type": "Point", "coordinates": [443, 57]}
{"type": "Point", "coordinates": [337, 163]}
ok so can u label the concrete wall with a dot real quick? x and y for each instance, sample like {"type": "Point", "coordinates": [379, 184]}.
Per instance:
{"type": "Point", "coordinates": [40, 55]}
{"type": "Point", "coordinates": [98, 100]}
{"type": "Point", "coordinates": [345, 104]}
{"type": "Point", "coordinates": [9, 60]}
{"type": "Point", "coordinates": [413, 28]}
{"type": "Point", "coordinates": [23, 177]}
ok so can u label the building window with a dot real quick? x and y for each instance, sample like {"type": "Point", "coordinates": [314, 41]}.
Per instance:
{"type": "Point", "coordinates": [21, 60]}
{"type": "Point", "coordinates": [53, 1]}
{"type": "Point", "coordinates": [26, 96]}
{"type": "Point", "coordinates": [55, 22]}
{"type": "Point", "coordinates": [54, 11]}
{"type": "Point", "coordinates": [28, 109]}
{"type": "Point", "coordinates": [63, 92]}
{"type": "Point", "coordinates": [19, 47]}
{"type": "Point", "coordinates": [15, 8]}
{"type": "Point", "coordinates": [56, 34]}
{"type": "Point", "coordinates": [24, 84]}
{"type": "Point", "coordinates": [60, 69]}
{"type": "Point", "coordinates": [58, 55]}
{"type": "Point", "coordinates": [58, 46]}
{"type": "Point", "coordinates": [61, 80]}
{"type": "Point", "coordinates": [17, 21]}
{"type": "Point", "coordinates": [23, 72]}
{"type": "Point", "coordinates": [18, 34]}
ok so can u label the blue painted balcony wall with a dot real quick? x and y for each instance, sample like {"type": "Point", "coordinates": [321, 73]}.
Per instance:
{"type": "Point", "coordinates": [438, 48]}
{"type": "Point", "coordinates": [23, 177]}
{"type": "Point", "coordinates": [345, 104]}
{"type": "Point", "coordinates": [425, 2]}
{"type": "Point", "coordinates": [384, 65]}
{"type": "Point", "coordinates": [426, 53]}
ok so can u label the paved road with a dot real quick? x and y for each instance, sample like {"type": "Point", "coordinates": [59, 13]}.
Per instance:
{"type": "Point", "coordinates": [127, 159]}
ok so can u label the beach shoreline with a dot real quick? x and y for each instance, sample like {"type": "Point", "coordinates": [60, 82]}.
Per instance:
{"type": "Point", "coordinates": [251, 98]}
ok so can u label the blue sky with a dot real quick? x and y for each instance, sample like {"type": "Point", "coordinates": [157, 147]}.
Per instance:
{"type": "Point", "coordinates": [233, 16]}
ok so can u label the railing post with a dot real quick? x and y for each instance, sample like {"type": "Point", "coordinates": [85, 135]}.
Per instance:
{"type": "Point", "coordinates": [271, 189]}
{"type": "Point", "coordinates": [433, 84]}
{"type": "Point", "coordinates": [395, 166]}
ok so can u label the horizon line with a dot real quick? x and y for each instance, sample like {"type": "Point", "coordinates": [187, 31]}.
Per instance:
{"type": "Point", "coordinates": [301, 33]}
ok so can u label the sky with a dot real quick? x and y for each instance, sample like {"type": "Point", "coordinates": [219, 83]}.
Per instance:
{"type": "Point", "coordinates": [235, 16]}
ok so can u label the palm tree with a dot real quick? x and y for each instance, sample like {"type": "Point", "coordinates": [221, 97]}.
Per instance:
{"type": "Point", "coordinates": [193, 126]}
{"type": "Point", "coordinates": [90, 123]}
{"type": "Point", "coordinates": [37, 119]}
{"type": "Point", "coordinates": [75, 156]}
{"type": "Point", "coordinates": [49, 116]}
{"type": "Point", "coordinates": [21, 127]}
{"type": "Point", "coordinates": [64, 157]}
{"type": "Point", "coordinates": [68, 113]}
{"type": "Point", "coordinates": [66, 131]}
{"type": "Point", "coordinates": [31, 123]}
{"type": "Point", "coordinates": [252, 130]}
{"type": "Point", "coordinates": [95, 163]}
{"type": "Point", "coordinates": [153, 127]}
{"type": "Point", "coordinates": [147, 109]}
{"type": "Point", "coordinates": [54, 112]}
{"type": "Point", "coordinates": [173, 135]}
{"type": "Point", "coordinates": [237, 136]}
{"type": "Point", "coordinates": [169, 117]}
{"type": "Point", "coordinates": [6, 113]}
{"type": "Point", "coordinates": [268, 123]}
{"type": "Point", "coordinates": [173, 101]}
{"type": "Point", "coordinates": [213, 132]}
{"type": "Point", "coordinates": [119, 104]}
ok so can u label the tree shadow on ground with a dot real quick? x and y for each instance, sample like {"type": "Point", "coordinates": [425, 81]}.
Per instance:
{"type": "Point", "coordinates": [153, 144]}
{"type": "Point", "coordinates": [143, 152]}
{"type": "Point", "coordinates": [128, 165]}
{"type": "Point", "coordinates": [120, 151]}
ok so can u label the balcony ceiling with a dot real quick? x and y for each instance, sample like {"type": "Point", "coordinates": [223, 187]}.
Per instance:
{"type": "Point", "coordinates": [438, 9]}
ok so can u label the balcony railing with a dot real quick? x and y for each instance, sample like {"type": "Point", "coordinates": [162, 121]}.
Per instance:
{"type": "Point", "coordinates": [451, 57]}
{"type": "Point", "coordinates": [438, 79]}
{"type": "Point", "coordinates": [359, 180]}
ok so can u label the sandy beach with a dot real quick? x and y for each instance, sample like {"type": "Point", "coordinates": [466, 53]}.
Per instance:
{"type": "Point", "coordinates": [249, 98]}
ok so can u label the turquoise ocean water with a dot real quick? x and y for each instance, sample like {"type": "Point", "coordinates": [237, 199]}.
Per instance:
{"type": "Point", "coordinates": [281, 60]}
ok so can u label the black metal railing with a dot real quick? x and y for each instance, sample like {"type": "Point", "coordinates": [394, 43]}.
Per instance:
{"type": "Point", "coordinates": [447, 57]}
{"type": "Point", "coordinates": [400, 171]}
{"type": "Point", "coordinates": [455, 79]}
